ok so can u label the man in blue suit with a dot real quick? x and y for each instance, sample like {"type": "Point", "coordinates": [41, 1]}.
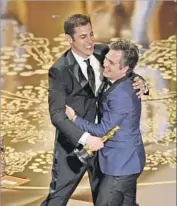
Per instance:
{"type": "Point", "coordinates": [123, 157]}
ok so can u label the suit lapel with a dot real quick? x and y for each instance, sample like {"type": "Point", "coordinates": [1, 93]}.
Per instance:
{"type": "Point", "coordinates": [114, 85]}
{"type": "Point", "coordinates": [110, 88]}
{"type": "Point", "coordinates": [101, 88]}
{"type": "Point", "coordinates": [76, 70]}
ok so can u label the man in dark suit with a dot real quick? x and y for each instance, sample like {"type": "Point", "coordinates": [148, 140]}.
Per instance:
{"type": "Point", "coordinates": [123, 157]}
{"type": "Point", "coordinates": [76, 81]}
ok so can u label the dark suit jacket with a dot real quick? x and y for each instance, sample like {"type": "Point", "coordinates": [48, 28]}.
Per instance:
{"type": "Point", "coordinates": [68, 86]}
{"type": "Point", "coordinates": [123, 154]}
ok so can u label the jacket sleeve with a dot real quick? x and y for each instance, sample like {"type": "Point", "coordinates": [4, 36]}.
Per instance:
{"type": "Point", "coordinates": [115, 110]}
{"type": "Point", "coordinates": [57, 102]}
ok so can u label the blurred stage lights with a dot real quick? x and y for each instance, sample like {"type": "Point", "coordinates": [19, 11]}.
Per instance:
{"type": "Point", "coordinates": [55, 16]}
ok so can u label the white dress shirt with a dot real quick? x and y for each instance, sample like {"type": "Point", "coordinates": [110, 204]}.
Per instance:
{"type": "Point", "coordinates": [97, 68]}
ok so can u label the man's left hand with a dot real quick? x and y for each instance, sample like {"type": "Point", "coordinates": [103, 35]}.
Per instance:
{"type": "Point", "coordinates": [139, 84]}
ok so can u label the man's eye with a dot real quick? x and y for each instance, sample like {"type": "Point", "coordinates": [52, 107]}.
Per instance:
{"type": "Point", "coordinates": [109, 61]}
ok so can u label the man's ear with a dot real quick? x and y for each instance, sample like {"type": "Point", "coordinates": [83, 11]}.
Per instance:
{"type": "Point", "coordinates": [69, 38]}
{"type": "Point", "coordinates": [125, 69]}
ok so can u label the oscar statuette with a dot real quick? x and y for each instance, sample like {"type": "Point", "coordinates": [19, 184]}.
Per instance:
{"type": "Point", "coordinates": [85, 153]}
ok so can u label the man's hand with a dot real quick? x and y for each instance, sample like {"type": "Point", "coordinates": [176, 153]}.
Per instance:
{"type": "Point", "coordinates": [139, 84]}
{"type": "Point", "coordinates": [70, 113]}
{"type": "Point", "coordinates": [94, 143]}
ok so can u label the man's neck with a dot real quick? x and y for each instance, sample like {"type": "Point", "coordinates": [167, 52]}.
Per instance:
{"type": "Point", "coordinates": [79, 55]}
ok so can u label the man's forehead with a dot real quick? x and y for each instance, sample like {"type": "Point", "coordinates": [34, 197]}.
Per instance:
{"type": "Point", "coordinates": [114, 53]}
{"type": "Point", "coordinates": [83, 29]}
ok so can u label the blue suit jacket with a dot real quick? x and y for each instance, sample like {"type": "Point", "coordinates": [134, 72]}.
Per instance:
{"type": "Point", "coordinates": [124, 154]}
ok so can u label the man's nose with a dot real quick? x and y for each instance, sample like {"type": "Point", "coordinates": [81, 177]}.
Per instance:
{"type": "Point", "coordinates": [105, 63]}
{"type": "Point", "coordinates": [90, 40]}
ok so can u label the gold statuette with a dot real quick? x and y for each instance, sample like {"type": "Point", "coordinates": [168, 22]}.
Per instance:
{"type": "Point", "coordinates": [85, 153]}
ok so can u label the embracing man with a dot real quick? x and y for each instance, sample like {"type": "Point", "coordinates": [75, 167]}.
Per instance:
{"type": "Point", "coordinates": [76, 80]}
{"type": "Point", "coordinates": [122, 158]}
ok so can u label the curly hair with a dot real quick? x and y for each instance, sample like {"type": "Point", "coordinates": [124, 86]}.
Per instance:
{"type": "Point", "coordinates": [130, 52]}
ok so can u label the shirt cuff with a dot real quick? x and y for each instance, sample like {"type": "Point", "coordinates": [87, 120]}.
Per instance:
{"type": "Point", "coordinates": [83, 138]}
{"type": "Point", "coordinates": [146, 92]}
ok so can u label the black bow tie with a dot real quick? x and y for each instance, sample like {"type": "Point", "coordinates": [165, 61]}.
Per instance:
{"type": "Point", "coordinates": [107, 85]}
{"type": "Point", "coordinates": [110, 83]}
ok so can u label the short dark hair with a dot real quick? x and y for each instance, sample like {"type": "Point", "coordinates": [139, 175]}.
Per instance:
{"type": "Point", "coordinates": [129, 50]}
{"type": "Point", "coordinates": [74, 21]}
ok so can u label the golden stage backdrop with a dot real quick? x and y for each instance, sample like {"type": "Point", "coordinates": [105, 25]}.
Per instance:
{"type": "Point", "coordinates": [31, 41]}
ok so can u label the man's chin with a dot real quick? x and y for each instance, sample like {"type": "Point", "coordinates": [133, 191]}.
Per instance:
{"type": "Point", "coordinates": [105, 75]}
{"type": "Point", "coordinates": [90, 52]}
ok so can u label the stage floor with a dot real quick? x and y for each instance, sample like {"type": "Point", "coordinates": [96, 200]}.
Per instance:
{"type": "Point", "coordinates": [28, 135]}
